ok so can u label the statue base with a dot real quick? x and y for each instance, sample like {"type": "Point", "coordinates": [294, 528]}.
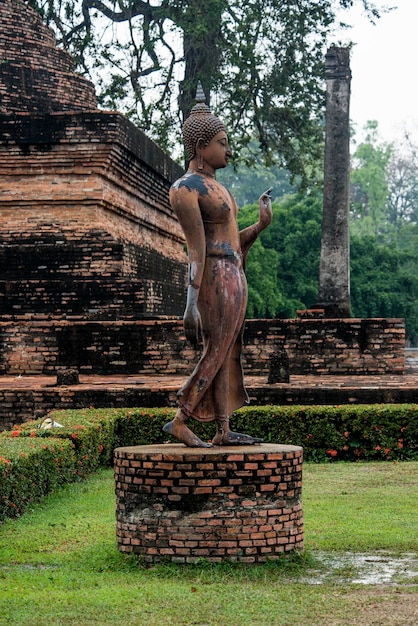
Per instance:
{"type": "Point", "coordinates": [236, 504]}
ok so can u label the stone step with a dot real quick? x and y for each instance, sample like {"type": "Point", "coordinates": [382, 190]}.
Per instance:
{"type": "Point", "coordinates": [26, 397]}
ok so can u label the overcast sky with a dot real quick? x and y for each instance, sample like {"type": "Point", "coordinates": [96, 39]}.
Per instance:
{"type": "Point", "coordinates": [383, 62]}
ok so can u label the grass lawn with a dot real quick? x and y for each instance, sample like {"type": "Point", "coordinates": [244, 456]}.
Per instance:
{"type": "Point", "coordinates": [59, 564]}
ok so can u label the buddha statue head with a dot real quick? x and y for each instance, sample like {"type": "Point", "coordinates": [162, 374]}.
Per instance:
{"type": "Point", "coordinates": [200, 125]}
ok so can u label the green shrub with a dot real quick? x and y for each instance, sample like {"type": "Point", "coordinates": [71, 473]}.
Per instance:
{"type": "Point", "coordinates": [30, 469]}
{"type": "Point", "coordinates": [140, 426]}
{"type": "Point", "coordinates": [345, 432]}
{"type": "Point", "coordinates": [91, 431]}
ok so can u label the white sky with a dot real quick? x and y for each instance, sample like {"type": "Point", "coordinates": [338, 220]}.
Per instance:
{"type": "Point", "coordinates": [383, 62]}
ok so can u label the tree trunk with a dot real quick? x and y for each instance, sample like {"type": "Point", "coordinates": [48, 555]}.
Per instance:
{"type": "Point", "coordinates": [202, 33]}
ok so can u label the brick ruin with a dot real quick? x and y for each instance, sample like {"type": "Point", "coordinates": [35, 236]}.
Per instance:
{"type": "Point", "coordinates": [92, 262]}
{"type": "Point", "coordinates": [155, 347]}
{"type": "Point", "coordinates": [86, 229]}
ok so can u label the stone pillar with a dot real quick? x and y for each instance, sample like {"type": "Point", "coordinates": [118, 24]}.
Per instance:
{"type": "Point", "coordinates": [334, 269]}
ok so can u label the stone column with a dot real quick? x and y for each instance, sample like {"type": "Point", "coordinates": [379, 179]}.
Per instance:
{"type": "Point", "coordinates": [334, 269]}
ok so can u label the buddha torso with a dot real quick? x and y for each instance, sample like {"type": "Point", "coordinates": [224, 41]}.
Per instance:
{"type": "Point", "coordinates": [219, 213]}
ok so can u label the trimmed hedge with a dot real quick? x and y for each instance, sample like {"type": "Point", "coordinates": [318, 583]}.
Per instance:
{"type": "Point", "coordinates": [33, 461]}
{"type": "Point", "coordinates": [91, 431]}
{"type": "Point", "coordinates": [30, 469]}
{"type": "Point", "coordinates": [345, 432]}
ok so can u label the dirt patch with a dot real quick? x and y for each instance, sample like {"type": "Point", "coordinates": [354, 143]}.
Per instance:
{"type": "Point", "coordinates": [380, 607]}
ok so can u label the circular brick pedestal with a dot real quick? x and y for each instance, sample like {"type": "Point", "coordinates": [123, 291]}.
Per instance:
{"type": "Point", "coordinates": [234, 504]}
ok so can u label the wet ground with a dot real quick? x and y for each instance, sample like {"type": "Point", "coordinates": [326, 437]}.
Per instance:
{"type": "Point", "coordinates": [364, 569]}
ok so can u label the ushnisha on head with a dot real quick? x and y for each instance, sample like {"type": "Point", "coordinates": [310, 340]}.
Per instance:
{"type": "Point", "coordinates": [201, 124]}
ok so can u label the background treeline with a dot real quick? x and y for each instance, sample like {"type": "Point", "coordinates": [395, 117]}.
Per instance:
{"type": "Point", "coordinates": [260, 62]}
{"type": "Point", "coordinates": [283, 265]}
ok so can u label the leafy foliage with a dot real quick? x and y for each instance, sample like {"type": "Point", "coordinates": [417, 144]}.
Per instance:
{"type": "Point", "coordinates": [282, 269]}
{"type": "Point", "coordinates": [384, 186]}
{"type": "Point", "coordinates": [384, 230]}
{"type": "Point", "coordinates": [91, 432]}
{"type": "Point", "coordinates": [403, 186]}
{"type": "Point", "coordinates": [248, 183]}
{"type": "Point", "coordinates": [260, 63]}
{"type": "Point", "coordinates": [369, 186]}
{"type": "Point", "coordinates": [30, 469]}
{"type": "Point", "coordinates": [384, 282]}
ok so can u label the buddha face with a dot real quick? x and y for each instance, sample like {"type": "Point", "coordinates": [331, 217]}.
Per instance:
{"type": "Point", "coordinates": [217, 152]}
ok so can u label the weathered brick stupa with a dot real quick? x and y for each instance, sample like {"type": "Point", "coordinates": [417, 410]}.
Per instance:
{"type": "Point", "coordinates": [86, 230]}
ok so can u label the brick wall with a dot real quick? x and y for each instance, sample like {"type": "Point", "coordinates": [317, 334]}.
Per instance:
{"type": "Point", "coordinates": [159, 347]}
{"type": "Point", "coordinates": [86, 229]}
{"type": "Point", "coordinates": [19, 404]}
{"type": "Point", "coordinates": [35, 75]}
{"type": "Point", "coordinates": [70, 171]}
{"type": "Point", "coordinates": [328, 346]}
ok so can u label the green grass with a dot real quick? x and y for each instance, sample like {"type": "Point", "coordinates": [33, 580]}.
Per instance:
{"type": "Point", "coordinates": [59, 564]}
{"type": "Point", "coordinates": [361, 507]}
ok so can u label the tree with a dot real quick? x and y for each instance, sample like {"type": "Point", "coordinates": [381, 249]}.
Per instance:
{"type": "Point", "coordinates": [384, 186]}
{"type": "Point", "coordinates": [402, 174]}
{"type": "Point", "coordinates": [384, 282]}
{"type": "Point", "coordinates": [287, 280]}
{"type": "Point", "coordinates": [260, 63]}
{"type": "Point", "coordinates": [282, 269]}
{"type": "Point", "coordinates": [369, 185]}
{"type": "Point", "coordinates": [247, 183]}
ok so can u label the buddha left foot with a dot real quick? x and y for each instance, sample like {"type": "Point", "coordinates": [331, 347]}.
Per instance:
{"type": "Point", "coordinates": [229, 438]}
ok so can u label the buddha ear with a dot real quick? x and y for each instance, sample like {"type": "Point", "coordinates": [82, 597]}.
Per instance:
{"type": "Point", "coordinates": [200, 145]}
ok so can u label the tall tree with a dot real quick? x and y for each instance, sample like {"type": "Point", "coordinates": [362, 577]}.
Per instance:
{"type": "Point", "coordinates": [402, 173]}
{"type": "Point", "coordinates": [369, 185]}
{"type": "Point", "coordinates": [283, 271]}
{"type": "Point", "coordinates": [384, 186]}
{"type": "Point", "coordinates": [260, 63]}
{"type": "Point", "coordinates": [384, 282]}
{"type": "Point", "coordinates": [247, 183]}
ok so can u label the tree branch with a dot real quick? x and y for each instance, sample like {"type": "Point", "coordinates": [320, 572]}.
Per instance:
{"type": "Point", "coordinates": [128, 12]}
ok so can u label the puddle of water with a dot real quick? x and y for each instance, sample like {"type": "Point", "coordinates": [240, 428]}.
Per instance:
{"type": "Point", "coordinates": [364, 569]}
{"type": "Point", "coordinates": [346, 568]}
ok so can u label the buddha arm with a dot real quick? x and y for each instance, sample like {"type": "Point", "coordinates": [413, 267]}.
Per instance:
{"type": "Point", "coordinates": [186, 206]}
{"type": "Point", "coordinates": [249, 235]}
